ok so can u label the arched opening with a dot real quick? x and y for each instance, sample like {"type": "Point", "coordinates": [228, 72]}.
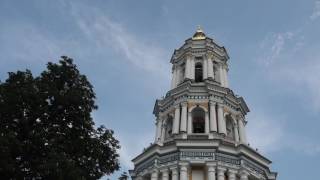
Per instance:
{"type": "Point", "coordinates": [169, 125]}
{"type": "Point", "coordinates": [182, 72]}
{"type": "Point", "coordinates": [215, 73]}
{"type": "Point", "coordinates": [198, 72]}
{"type": "Point", "coordinates": [230, 127]}
{"type": "Point", "coordinates": [198, 122]}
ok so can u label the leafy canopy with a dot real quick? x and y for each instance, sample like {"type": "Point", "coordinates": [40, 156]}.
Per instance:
{"type": "Point", "coordinates": [46, 128]}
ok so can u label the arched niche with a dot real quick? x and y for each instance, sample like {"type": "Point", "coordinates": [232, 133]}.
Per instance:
{"type": "Point", "coordinates": [168, 127]}
{"type": "Point", "coordinates": [198, 120]}
{"type": "Point", "coordinates": [230, 122]}
{"type": "Point", "coordinates": [198, 72]}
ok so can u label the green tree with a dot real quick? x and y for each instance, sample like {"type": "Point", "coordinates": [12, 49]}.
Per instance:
{"type": "Point", "coordinates": [46, 127]}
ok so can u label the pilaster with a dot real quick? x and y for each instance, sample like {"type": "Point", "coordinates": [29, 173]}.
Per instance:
{"type": "Point", "coordinates": [221, 121]}
{"type": "Point", "coordinates": [213, 120]}
{"type": "Point", "coordinates": [184, 115]}
{"type": "Point", "coordinates": [176, 121]}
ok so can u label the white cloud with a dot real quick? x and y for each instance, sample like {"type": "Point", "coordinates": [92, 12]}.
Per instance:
{"type": "Point", "coordinates": [316, 11]}
{"type": "Point", "coordinates": [106, 33]}
{"type": "Point", "coordinates": [272, 47]}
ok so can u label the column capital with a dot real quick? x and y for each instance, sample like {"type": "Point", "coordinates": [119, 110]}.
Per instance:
{"type": "Point", "coordinates": [174, 170]}
{"type": "Point", "coordinates": [232, 171]}
{"type": "Point", "coordinates": [184, 103]}
{"type": "Point", "coordinates": [211, 166]}
{"type": "Point", "coordinates": [154, 170]}
{"type": "Point", "coordinates": [177, 106]}
{"type": "Point", "coordinates": [212, 103]}
{"type": "Point", "coordinates": [243, 172]}
{"type": "Point", "coordinates": [154, 174]}
{"type": "Point", "coordinates": [183, 166]}
{"type": "Point", "coordinates": [221, 171]}
{"type": "Point", "coordinates": [189, 55]}
{"type": "Point", "coordinates": [164, 169]}
{"type": "Point", "coordinates": [209, 55]}
{"type": "Point", "coordinates": [165, 173]}
{"type": "Point", "coordinates": [220, 105]}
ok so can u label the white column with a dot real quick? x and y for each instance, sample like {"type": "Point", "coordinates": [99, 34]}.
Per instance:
{"type": "Point", "coordinates": [213, 119]}
{"type": "Point", "coordinates": [173, 81]}
{"type": "Point", "coordinates": [176, 121]}
{"type": "Point", "coordinates": [226, 82]}
{"type": "Point", "coordinates": [220, 173]}
{"type": "Point", "coordinates": [242, 131]}
{"type": "Point", "coordinates": [178, 78]}
{"type": "Point", "coordinates": [189, 123]}
{"type": "Point", "coordinates": [206, 123]}
{"type": "Point", "coordinates": [210, 67]}
{"type": "Point", "coordinates": [165, 174]}
{"type": "Point", "coordinates": [154, 175]}
{"type": "Point", "coordinates": [158, 127]}
{"type": "Point", "coordinates": [188, 66]}
{"type": "Point", "coordinates": [184, 114]}
{"type": "Point", "coordinates": [205, 69]}
{"type": "Point", "coordinates": [192, 69]}
{"type": "Point", "coordinates": [163, 131]}
{"type": "Point", "coordinates": [211, 172]}
{"type": "Point", "coordinates": [183, 172]}
{"type": "Point", "coordinates": [236, 132]}
{"type": "Point", "coordinates": [221, 76]}
{"type": "Point", "coordinates": [232, 174]}
{"type": "Point", "coordinates": [221, 121]}
{"type": "Point", "coordinates": [174, 173]}
{"type": "Point", "coordinates": [244, 175]}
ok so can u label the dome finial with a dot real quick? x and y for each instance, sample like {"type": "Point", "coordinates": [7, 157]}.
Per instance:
{"type": "Point", "coordinates": [199, 35]}
{"type": "Point", "coordinates": [199, 29]}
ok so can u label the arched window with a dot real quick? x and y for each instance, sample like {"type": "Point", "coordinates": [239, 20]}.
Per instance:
{"type": "Point", "coordinates": [198, 72]}
{"type": "Point", "coordinates": [169, 125]}
{"type": "Point", "coordinates": [230, 127]}
{"type": "Point", "coordinates": [198, 122]}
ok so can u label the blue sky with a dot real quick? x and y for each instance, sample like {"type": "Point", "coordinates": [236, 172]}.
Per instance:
{"type": "Point", "coordinates": [124, 48]}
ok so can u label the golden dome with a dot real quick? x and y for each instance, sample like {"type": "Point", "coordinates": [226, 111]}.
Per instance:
{"type": "Point", "coordinates": [199, 35]}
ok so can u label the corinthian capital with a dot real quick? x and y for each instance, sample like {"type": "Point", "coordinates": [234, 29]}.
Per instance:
{"type": "Point", "coordinates": [209, 55]}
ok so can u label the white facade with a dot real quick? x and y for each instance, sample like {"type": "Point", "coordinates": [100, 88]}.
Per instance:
{"type": "Point", "coordinates": [200, 124]}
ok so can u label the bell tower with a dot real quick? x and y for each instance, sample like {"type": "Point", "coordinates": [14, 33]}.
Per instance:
{"type": "Point", "coordinates": [200, 123]}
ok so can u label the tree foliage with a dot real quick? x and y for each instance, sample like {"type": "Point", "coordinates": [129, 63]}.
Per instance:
{"type": "Point", "coordinates": [46, 127]}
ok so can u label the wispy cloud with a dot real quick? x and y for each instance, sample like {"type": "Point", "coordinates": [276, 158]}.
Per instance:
{"type": "Point", "coordinates": [295, 65]}
{"type": "Point", "coordinates": [272, 47]}
{"type": "Point", "coordinates": [316, 11]}
{"type": "Point", "coordinates": [134, 48]}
